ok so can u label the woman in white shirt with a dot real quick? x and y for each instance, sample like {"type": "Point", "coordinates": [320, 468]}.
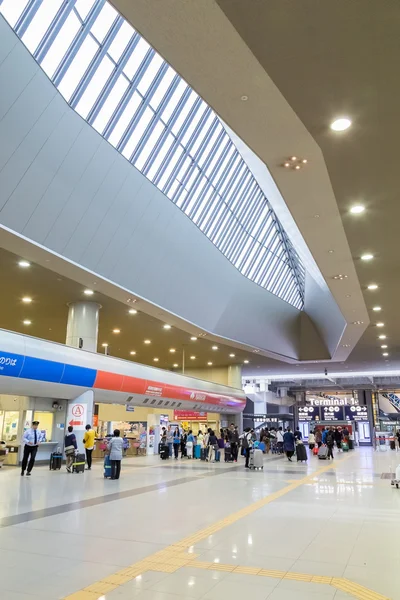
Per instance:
{"type": "Point", "coordinates": [116, 446]}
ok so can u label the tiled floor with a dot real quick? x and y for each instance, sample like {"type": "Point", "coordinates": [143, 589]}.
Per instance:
{"type": "Point", "coordinates": [341, 524]}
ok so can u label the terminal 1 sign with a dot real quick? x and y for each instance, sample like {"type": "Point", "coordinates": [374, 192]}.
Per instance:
{"type": "Point", "coordinates": [333, 413]}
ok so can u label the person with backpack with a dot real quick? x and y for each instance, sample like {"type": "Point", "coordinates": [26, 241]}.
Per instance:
{"type": "Point", "coordinates": [289, 442]}
{"type": "Point", "coordinates": [70, 448]}
{"type": "Point", "coordinates": [247, 444]}
{"type": "Point", "coordinates": [330, 441]}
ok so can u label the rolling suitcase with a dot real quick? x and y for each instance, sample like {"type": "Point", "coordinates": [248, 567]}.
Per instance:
{"type": "Point", "coordinates": [323, 452]}
{"type": "Point", "coordinates": [345, 447]}
{"type": "Point", "coordinates": [228, 455]}
{"type": "Point", "coordinates": [351, 445]}
{"type": "Point", "coordinates": [78, 465]}
{"type": "Point", "coordinates": [107, 466]}
{"type": "Point", "coordinates": [164, 451]}
{"type": "Point", "coordinates": [301, 453]}
{"type": "Point", "coordinates": [55, 461]}
{"type": "Point", "coordinates": [256, 459]}
{"type": "Point", "coordinates": [392, 445]}
{"type": "Point", "coordinates": [197, 451]}
{"type": "Point", "coordinates": [203, 453]}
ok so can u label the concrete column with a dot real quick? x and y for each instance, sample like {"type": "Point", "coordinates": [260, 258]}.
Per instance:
{"type": "Point", "coordinates": [235, 376]}
{"type": "Point", "coordinates": [79, 414]}
{"type": "Point", "coordinates": [83, 325]}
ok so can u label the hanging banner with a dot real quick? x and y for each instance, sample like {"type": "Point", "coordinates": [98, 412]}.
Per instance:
{"type": "Point", "coordinates": [189, 415]}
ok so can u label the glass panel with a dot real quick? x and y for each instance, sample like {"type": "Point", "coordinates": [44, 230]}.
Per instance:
{"type": "Point", "coordinates": [137, 133]}
{"type": "Point", "coordinates": [149, 145]}
{"type": "Point", "coordinates": [111, 103]}
{"type": "Point", "coordinates": [170, 167]}
{"type": "Point", "coordinates": [183, 112]}
{"type": "Point", "coordinates": [10, 427]}
{"type": "Point", "coordinates": [83, 7]}
{"type": "Point", "coordinates": [162, 88]}
{"type": "Point", "coordinates": [60, 45]}
{"type": "Point", "coordinates": [124, 120]}
{"type": "Point", "coordinates": [136, 59]}
{"type": "Point", "coordinates": [162, 152]}
{"type": "Point", "coordinates": [121, 41]}
{"type": "Point", "coordinates": [1, 424]}
{"type": "Point", "coordinates": [41, 22]}
{"type": "Point", "coordinates": [46, 420]}
{"type": "Point", "coordinates": [95, 86]}
{"type": "Point", "coordinates": [172, 104]}
{"type": "Point", "coordinates": [102, 24]}
{"type": "Point", "coordinates": [150, 74]}
{"type": "Point", "coordinates": [194, 122]}
{"type": "Point", "coordinates": [11, 11]}
{"type": "Point", "coordinates": [78, 67]}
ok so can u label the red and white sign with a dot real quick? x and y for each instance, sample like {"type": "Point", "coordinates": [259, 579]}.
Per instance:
{"type": "Point", "coordinates": [189, 415]}
{"type": "Point", "coordinates": [77, 415]}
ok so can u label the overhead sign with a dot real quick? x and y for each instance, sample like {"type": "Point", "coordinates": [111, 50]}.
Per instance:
{"type": "Point", "coordinates": [333, 413]}
{"type": "Point", "coordinates": [333, 401]}
{"type": "Point", "coordinates": [188, 415]}
{"type": "Point", "coordinates": [77, 415]}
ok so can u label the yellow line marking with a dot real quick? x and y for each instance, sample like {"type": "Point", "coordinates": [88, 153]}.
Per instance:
{"type": "Point", "coordinates": [174, 557]}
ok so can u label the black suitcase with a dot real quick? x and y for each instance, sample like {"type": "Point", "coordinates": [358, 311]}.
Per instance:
{"type": "Point", "coordinates": [351, 445]}
{"type": "Point", "coordinates": [78, 465]}
{"type": "Point", "coordinates": [55, 461]}
{"type": "Point", "coordinates": [392, 445]}
{"type": "Point", "coordinates": [301, 453]}
{"type": "Point", "coordinates": [203, 454]}
{"type": "Point", "coordinates": [164, 451]}
{"type": "Point", "coordinates": [228, 455]}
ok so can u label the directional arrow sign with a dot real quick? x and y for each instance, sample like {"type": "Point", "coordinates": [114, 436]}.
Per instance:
{"type": "Point", "coordinates": [75, 423]}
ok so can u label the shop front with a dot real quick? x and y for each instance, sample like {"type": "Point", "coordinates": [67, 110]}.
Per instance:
{"type": "Point", "coordinates": [349, 410]}
{"type": "Point", "coordinates": [16, 416]}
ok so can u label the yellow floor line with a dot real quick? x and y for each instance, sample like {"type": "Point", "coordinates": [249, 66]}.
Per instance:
{"type": "Point", "coordinates": [176, 555]}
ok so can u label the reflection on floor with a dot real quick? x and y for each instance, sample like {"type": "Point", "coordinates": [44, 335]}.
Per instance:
{"type": "Point", "coordinates": [168, 531]}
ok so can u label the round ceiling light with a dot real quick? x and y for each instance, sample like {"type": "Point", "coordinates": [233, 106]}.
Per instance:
{"type": "Point", "coordinates": [192, 358]}
{"type": "Point", "coordinates": [357, 209]}
{"type": "Point", "coordinates": [341, 124]}
{"type": "Point", "coordinates": [147, 341]}
{"type": "Point", "coordinates": [209, 364]}
{"type": "Point", "coordinates": [373, 286]}
{"type": "Point", "coordinates": [367, 257]}
{"type": "Point", "coordinates": [193, 338]}
{"type": "Point", "coordinates": [26, 300]}
{"type": "Point", "coordinates": [166, 326]}
{"type": "Point", "coordinates": [377, 308]}
{"type": "Point", "coordinates": [214, 348]}
{"type": "Point", "coordinates": [232, 355]}
{"type": "Point", "coordinates": [132, 353]}
{"type": "Point", "coordinates": [116, 331]}
{"type": "Point", "coordinates": [156, 359]}
{"type": "Point", "coordinates": [382, 337]}
{"type": "Point", "coordinates": [27, 322]}
{"type": "Point", "coordinates": [172, 350]}
{"type": "Point", "coordinates": [384, 346]}
{"type": "Point", "coordinates": [380, 324]}
{"type": "Point", "coordinates": [132, 311]}
{"type": "Point", "coordinates": [175, 365]}
{"type": "Point", "coordinates": [88, 292]}
{"type": "Point", "coordinates": [246, 362]}
{"type": "Point", "coordinates": [24, 264]}
{"type": "Point", "coordinates": [105, 345]}
{"type": "Point", "coordinates": [385, 353]}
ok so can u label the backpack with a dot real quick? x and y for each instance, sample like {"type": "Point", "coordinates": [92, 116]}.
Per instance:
{"type": "Point", "coordinates": [330, 438]}
{"type": "Point", "coordinates": [245, 442]}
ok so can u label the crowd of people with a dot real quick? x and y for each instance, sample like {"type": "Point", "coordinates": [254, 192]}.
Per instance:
{"type": "Point", "coordinates": [208, 442]}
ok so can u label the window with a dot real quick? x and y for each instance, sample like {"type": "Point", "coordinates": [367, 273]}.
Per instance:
{"type": "Point", "coordinates": [46, 420]}
{"type": "Point", "coordinates": [114, 79]}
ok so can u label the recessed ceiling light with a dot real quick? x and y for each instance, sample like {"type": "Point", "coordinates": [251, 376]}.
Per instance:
{"type": "Point", "coordinates": [132, 311]}
{"type": "Point", "coordinates": [373, 286]}
{"type": "Point", "coordinates": [380, 324]}
{"type": "Point", "coordinates": [358, 322]}
{"type": "Point", "coordinates": [293, 158]}
{"type": "Point", "coordinates": [132, 353]}
{"type": "Point", "coordinates": [105, 345]}
{"type": "Point", "coordinates": [341, 124]}
{"type": "Point", "coordinates": [24, 264]}
{"type": "Point", "coordinates": [297, 167]}
{"type": "Point", "coordinates": [286, 164]}
{"type": "Point", "coordinates": [340, 276]}
{"type": "Point", "coordinates": [214, 348]}
{"type": "Point", "coordinates": [346, 345]}
{"type": "Point", "coordinates": [377, 308]}
{"type": "Point", "coordinates": [384, 346]}
{"type": "Point", "coordinates": [26, 299]}
{"type": "Point", "coordinates": [246, 362]}
{"type": "Point", "coordinates": [166, 326]}
{"type": "Point", "coordinates": [304, 161]}
{"type": "Point", "coordinates": [331, 251]}
{"type": "Point", "coordinates": [316, 216]}
{"type": "Point", "coordinates": [172, 350]}
{"type": "Point", "coordinates": [88, 292]}
{"type": "Point", "coordinates": [116, 331]}
{"type": "Point", "coordinates": [385, 353]}
{"type": "Point", "coordinates": [156, 359]}
{"type": "Point", "coordinates": [357, 209]}
{"type": "Point", "coordinates": [175, 365]}
{"type": "Point", "coordinates": [348, 295]}
{"type": "Point", "coordinates": [244, 98]}
{"type": "Point", "coordinates": [209, 364]}
{"type": "Point", "coordinates": [27, 322]}
{"type": "Point", "coordinates": [192, 358]}
{"type": "Point", "coordinates": [232, 355]}
{"type": "Point", "coordinates": [367, 257]}
{"type": "Point", "coordinates": [382, 337]}
{"type": "Point", "coordinates": [193, 338]}
{"type": "Point", "coordinates": [147, 341]}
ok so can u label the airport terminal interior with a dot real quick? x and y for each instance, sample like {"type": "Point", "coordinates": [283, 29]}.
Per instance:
{"type": "Point", "coordinates": [199, 333]}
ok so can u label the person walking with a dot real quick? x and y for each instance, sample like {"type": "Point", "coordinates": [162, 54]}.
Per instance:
{"type": "Point", "coordinates": [318, 437]}
{"type": "Point", "coordinates": [330, 442]}
{"type": "Point", "coordinates": [88, 442]}
{"type": "Point", "coordinates": [176, 442]}
{"type": "Point", "coordinates": [212, 445]}
{"type": "Point", "coordinates": [279, 440]}
{"type": "Point", "coordinates": [338, 437]}
{"type": "Point", "coordinates": [311, 440]}
{"type": "Point", "coordinates": [170, 439]}
{"type": "Point", "coordinates": [234, 441]}
{"type": "Point", "coordinates": [289, 443]}
{"type": "Point", "coordinates": [31, 440]}
{"type": "Point", "coordinates": [183, 443]}
{"type": "Point", "coordinates": [115, 446]}
{"type": "Point", "coordinates": [247, 444]}
{"type": "Point", "coordinates": [298, 435]}
{"type": "Point", "coordinates": [70, 448]}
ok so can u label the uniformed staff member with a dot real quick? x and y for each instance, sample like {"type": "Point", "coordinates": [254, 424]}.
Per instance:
{"type": "Point", "coordinates": [31, 440]}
